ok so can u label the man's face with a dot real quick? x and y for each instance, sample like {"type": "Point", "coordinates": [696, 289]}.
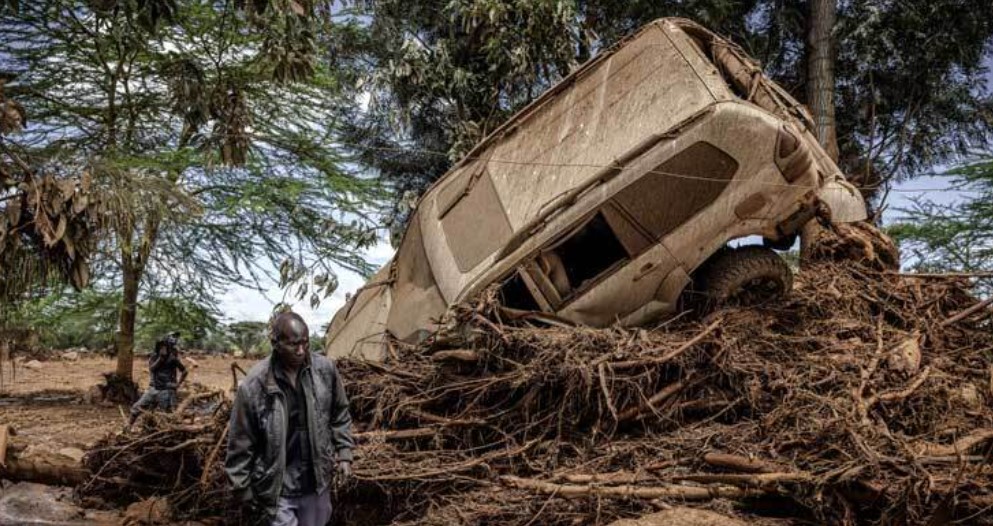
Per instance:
{"type": "Point", "coordinates": [292, 342]}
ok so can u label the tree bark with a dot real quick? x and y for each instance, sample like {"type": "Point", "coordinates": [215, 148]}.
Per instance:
{"type": "Point", "coordinates": [820, 73]}
{"type": "Point", "coordinates": [126, 322]}
{"type": "Point", "coordinates": [133, 267]}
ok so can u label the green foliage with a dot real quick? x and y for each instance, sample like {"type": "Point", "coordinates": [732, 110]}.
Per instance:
{"type": "Point", "coordinates": [210, 132]}
{"type": "Point", "coordinates": [250, 337]}
{"type": "Point", "coordinates": [952, 236]}
{"type": "Point", "coordinates": [161, 315]}
{"type": "Point", "coordinates": [89, 319]}
{"type": "Point", "coordinates": [911, 89]}
{"type": "Point", "coordinates": [439, 75]}
{"type": "Point", "coordinates": [63, 320]}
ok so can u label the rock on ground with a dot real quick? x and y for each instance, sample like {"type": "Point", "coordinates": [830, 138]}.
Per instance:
{"type": "Point", "coordinates": [34, 365]}
{"type": "Point", "coordinates": [37, 504]}
{"type": "Point", "coordinates": [72, 452]}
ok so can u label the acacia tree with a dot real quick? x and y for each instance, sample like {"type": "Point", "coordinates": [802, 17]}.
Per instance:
{"type": "Point", "coordinates": [953, 234]}
{"type": "Point", "coordinates": [46, 221]}
{"type": "Point", "coordinates": [209, 133]}
{"type": "Point", "coordinates": [88, 319]}
{"type": "Point", "coordinates": [439, 75]}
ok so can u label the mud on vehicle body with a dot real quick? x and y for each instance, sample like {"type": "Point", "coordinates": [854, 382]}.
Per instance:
{"type": "Point", "coordinates": [600, 200]}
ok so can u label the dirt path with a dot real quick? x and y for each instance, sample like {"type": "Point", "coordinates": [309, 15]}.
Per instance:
{"type": "Point", "coordinates": [48, 405]}
{"type": "Point", "coordinates": [48, 408]}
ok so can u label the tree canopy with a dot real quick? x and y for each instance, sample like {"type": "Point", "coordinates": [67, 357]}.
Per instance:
{"type": "Point", "coordinates": [209, 131]}
{"type": "Point", "coordinates": [939, 235]}
{"type": "Point", "coordinates": [909, 82]}
{"type": "Point", "coordinates": [88, 319]}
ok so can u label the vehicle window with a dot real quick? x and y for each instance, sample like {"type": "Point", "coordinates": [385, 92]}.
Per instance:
{"type": "Point", "coordinates": [673, 192]}
{"type": "Point", "coordinates": [584, 255]}
{"type": "Point", "coordinates": [476, 225]}
{"type": "Point", "coordinates": [514, 293]}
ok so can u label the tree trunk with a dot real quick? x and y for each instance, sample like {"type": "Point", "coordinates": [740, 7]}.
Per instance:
{"type": "Point", "coordinates": [133, 266]}
{"type": "Point", "coordinates": [820, 100]}
{"type": "Point", "coordinates": [820, 73]}
{"type": "Point", "coordinates": [126, 322]}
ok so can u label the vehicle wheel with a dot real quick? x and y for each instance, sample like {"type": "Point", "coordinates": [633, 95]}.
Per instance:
{"type": "Point", "coordinates": [748, 275]}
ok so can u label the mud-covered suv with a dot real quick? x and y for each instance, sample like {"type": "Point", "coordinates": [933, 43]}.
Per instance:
{"type": "Point", "coordinates": [603, 200]}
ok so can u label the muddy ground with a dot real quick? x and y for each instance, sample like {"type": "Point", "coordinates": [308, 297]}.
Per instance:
{"type": "Point", "coordinates": [49, 405]}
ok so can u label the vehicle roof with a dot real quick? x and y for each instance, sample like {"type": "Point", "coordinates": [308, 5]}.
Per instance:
{"type": "Point", "coordinates": [551, 93]}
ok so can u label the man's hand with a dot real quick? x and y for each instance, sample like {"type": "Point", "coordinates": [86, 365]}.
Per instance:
{"type": "Point", "coordinates": [344, 474]}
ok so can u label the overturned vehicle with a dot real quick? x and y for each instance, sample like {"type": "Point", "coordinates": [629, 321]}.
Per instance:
{"type": "Point", "coordinates": [611, 195]}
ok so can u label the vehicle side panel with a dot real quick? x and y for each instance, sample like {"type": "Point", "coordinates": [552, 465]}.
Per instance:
{"type": "Point", "coordinates": [645, 88]}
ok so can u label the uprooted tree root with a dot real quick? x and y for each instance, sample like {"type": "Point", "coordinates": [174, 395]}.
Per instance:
{"type": "Point", "coordinates": [179, 454]}
{"type": "Point", "coordinates": [118, 389]}
{"type": "Point", "coordinates": [863, 398]}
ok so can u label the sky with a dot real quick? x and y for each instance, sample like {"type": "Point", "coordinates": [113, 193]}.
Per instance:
{"type": "Point", "coordinates": [246, 303]}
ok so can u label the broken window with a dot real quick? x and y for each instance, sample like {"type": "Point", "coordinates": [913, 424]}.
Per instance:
{"type": "Point", "coordinates": [558, 272]}
{"type": "Point", "coordinates": [585, 255]}
{"type": "Point", "coordinates": [515, 294]}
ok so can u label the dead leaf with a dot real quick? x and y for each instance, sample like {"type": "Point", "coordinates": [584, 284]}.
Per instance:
{"type": "Point", "coordinates": [59, 230]}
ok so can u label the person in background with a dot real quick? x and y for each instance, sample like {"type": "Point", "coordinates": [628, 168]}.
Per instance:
{"type": "Point", "coordinates": [290, 432]}
{"type": "Point", "coordinates": [163, 366]}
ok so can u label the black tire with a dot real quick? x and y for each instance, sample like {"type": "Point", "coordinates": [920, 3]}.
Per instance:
{"type": "Point", "coordinates": [749, 275]}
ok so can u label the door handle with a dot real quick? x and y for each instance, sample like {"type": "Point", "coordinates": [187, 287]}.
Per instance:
{"type": "Point", "coordinates": [645, 270]}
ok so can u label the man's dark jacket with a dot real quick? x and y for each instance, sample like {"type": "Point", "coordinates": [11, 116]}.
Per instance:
{"type": "Point", "coordinates": [256, 454]}
{"type": "Point", "coordinates": [163, 370]}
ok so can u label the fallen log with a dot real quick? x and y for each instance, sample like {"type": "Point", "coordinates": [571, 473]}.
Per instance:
{"type": "Point", "coordinates": [650, 405]}
{"type": "Point", "coordinates": [192, 399]}
{"type": "Point", "coordinates": [740, 463]}
{"type": "Point", "coordinates": [749, 480]}
{"type": "Point", "coordinates": [401, 434]}
{"type": "Point", "coordinates": [444, 421]}
{"type": "Point", "coordinates": [959, 447]}
{"type": "Point", "coordinates": [42, 467]}
{"type": "Point", "coordinates": [617, 477]}
{"type": "Point", "coordinates": [457, 355]}
{"type": "Point", "coordinates": [937, 275]}
{"type": "Point", "coordinates": [681, 516]}
{"type": "Point", "coordinates": [572, 491]}
{"type": "Point", "coordinates": [968, 312]}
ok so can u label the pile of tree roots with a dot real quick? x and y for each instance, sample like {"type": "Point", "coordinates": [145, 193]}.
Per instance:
{"type": "Point", "coordinates": [863, 398]}
{"type": "Point", "coordinates": [178, 454]}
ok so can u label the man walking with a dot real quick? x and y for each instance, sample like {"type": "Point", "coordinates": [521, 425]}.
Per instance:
{"type": "Point", "coordinates": [290, 426]}
{"type": "Point", "coordinates": [162, 367]}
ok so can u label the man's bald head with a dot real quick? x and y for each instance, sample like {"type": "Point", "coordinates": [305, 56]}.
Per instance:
{"type": "Point", "coordinates": [287, 324]}
{"type": "Point", "coordinates": [290, 339]}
